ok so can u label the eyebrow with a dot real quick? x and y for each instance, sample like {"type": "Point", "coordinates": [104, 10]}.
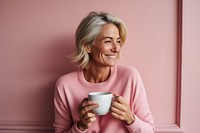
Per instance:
{"type": "Point", "coordinates": [110, 37]}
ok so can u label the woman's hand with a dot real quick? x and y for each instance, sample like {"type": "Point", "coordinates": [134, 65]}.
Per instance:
{"type": "Point", "coordinates": [86, 114]}
{"type": "Point", "coordinates": [121, 110]}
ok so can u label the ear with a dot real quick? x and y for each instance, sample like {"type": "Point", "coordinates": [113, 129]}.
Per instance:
{"type": "Point", "coordinates": [87, 48]}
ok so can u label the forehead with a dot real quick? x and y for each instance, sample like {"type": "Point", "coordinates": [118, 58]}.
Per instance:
{"type": "Point", "coordinates": [109, 30]}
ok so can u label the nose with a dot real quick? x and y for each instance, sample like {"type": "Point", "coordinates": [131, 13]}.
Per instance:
{"type": "Point", "coordinates": [115, 47]}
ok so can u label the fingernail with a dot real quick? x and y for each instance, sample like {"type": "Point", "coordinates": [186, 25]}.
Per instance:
{"type": "Point", "coordinates": [116, 95]}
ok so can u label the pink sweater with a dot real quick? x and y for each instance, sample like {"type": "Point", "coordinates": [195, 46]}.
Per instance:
{"type": "Point", "coordinates": [72, 88]}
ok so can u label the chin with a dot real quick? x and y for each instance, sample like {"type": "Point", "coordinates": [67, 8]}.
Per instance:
{"type": "Point", "coordinates": [112, 64]}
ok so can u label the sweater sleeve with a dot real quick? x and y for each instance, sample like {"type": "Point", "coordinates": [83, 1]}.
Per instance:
{"type": "Point", "coordinates": [63, 121]}
{"type": "Point", "coordinates": [144, 122]}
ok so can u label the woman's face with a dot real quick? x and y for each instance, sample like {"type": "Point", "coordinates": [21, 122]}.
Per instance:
{"type": "Point", "coordinates": [106, 48]}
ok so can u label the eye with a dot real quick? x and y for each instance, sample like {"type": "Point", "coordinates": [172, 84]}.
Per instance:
{"type": "Point", "coordinates": [107, 41]}
{"type": "Point", "coordinates": [119, 42]}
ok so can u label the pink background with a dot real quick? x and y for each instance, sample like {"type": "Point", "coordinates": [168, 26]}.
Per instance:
{"type": "Point", "coordinates": [163, 44]}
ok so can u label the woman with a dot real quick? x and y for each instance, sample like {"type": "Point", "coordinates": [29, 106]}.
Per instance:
{"type": "Point", "coordinates": [99, 39]}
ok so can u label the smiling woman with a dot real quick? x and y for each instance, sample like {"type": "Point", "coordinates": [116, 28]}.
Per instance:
{"type": "Point", "coordinates": [104, 53]}
{"type": "Point", "coordinates": [91, 29]}
{"type": "Point", "coordinates": [99, 39]}
{"type": "Point", "coordinates": [106, 47]}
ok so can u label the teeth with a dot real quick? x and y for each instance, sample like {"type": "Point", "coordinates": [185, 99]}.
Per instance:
{"type": "Point", "coordinates": [111, 56]}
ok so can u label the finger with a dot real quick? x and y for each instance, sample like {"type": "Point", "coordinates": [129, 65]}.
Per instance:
{"type": "Point", "coordinates": [116, 95]}
{"type": "Point", "coordinates": [115, 98]}
{"type": "Point", "coordinates": [118, 105]}
{"type": "Point", "coordinates": [121, 100]}
{"type": "Point", "coordinates": [122, 115]}
{"type": "Point", "coordinates": [86, 102]}
{"type": "Point", "coordinates": [88, 108]}
{"type": "Point", "coordinates": [89, 115]}
{"type": "Point", "coordinates": [90, 120]}
{"type": "Point", "coordinates": [117, 111]}
{"type": "Point", "coordinates": [117, 116]}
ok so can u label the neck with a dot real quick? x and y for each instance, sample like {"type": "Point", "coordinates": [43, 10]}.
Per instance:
{"type": "Point", "coordinates": [97, 74]}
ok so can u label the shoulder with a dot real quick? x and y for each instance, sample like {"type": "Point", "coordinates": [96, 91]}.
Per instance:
{"type": "Point", "coordinates": [67, 78]}
{"type": "Point", "coordinates": [127, 70]}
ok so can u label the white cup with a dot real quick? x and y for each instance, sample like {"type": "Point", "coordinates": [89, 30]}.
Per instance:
{"type": "Point", "coordinates": [103, 99]}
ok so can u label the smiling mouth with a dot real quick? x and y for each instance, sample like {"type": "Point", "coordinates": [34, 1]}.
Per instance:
{"type": "Point", "coordinates": [111, 56]}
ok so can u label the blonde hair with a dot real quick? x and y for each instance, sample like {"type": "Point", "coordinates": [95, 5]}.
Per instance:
{"type": "Point", "coordinates": [88, 30]}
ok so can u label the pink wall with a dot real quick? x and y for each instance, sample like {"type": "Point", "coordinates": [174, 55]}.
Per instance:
{"type": "Point", "coordinates": [191, 67]}
{"type": "Point", "coordinates": [36, 37]}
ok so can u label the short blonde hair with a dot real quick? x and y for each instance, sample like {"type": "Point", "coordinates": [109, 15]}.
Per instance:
{"type": "Point", "coordinates": [87, 32]}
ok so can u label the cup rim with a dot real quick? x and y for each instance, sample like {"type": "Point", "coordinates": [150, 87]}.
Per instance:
{"type": "Point", "coordinates": [99, 93]}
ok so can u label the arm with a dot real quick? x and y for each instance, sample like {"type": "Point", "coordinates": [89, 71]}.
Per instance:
{"type": "Point", "coordinates": [135, 114]}
{"type": "Point", "coordinates": [86, 114]}
{"type": "Point", "coordinates": [63, 121]}
{"type": "Point", "coordinates": [143, 122]}
{"type": "Point", "coordinates": [121, 110]}
{"type": "Point", "coordinates": [63, 118]}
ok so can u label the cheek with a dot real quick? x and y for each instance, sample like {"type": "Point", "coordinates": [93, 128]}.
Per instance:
{"type": "Point", "coordinates": [101, 50]}
{"type": "Point", "coordinates": [119, 47]}
{"type": "Point", "coordinates": [98, 52]}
